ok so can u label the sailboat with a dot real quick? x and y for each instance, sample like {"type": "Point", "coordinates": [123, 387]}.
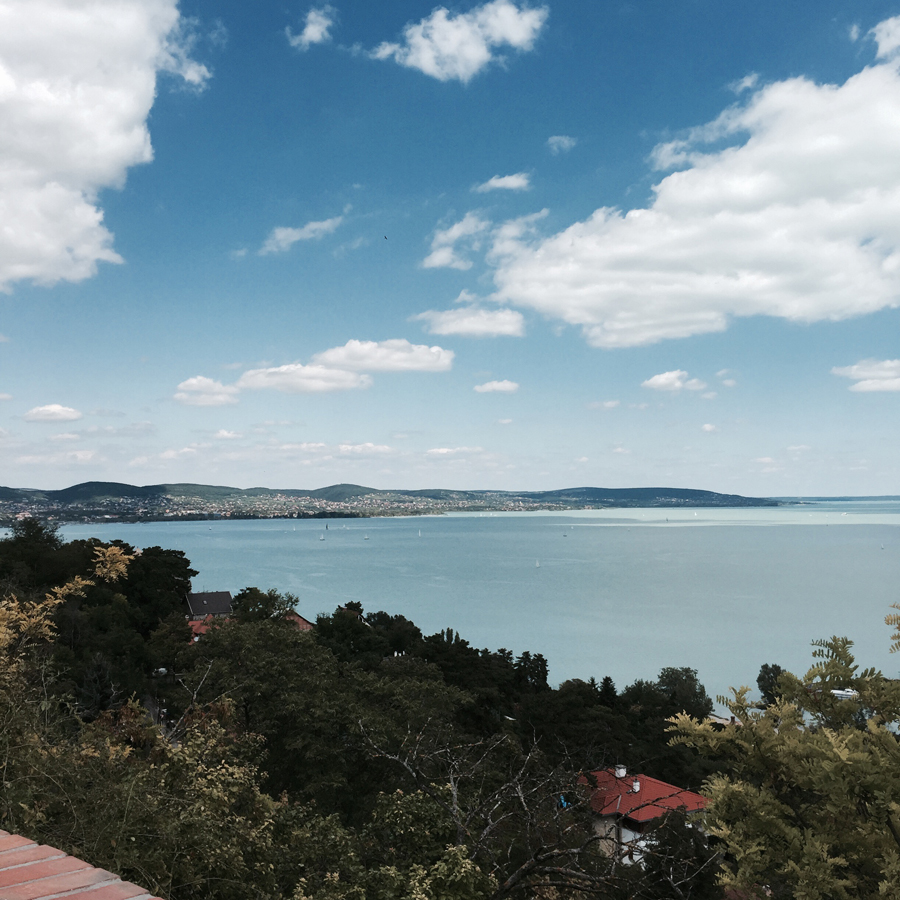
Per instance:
{"type": "Point", "coordinates": [321, 537]}
{"type": "Point", "coordinates": [537, 563]}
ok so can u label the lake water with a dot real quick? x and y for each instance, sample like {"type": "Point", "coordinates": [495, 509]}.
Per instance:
{"type": "Point", "coordinates": [598, 592]}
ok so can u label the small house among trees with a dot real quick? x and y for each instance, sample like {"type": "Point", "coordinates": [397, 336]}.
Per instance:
{"type": "Point", "coordinates": [628, 806]}
{"type": "Point", "coordinates": [201, 604]}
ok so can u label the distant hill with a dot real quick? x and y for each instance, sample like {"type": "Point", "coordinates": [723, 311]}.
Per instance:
{"type": "Point", "coordinates": [104, 500]}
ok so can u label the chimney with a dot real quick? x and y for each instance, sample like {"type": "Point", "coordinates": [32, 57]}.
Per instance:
{"type": "Point", "coordinates": [620, 771]}
{"type": "Point", "coordinates": [636, 786]}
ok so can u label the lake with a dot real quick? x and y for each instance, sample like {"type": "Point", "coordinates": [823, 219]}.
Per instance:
{"type": "Point", "coordinates": [598, 592]}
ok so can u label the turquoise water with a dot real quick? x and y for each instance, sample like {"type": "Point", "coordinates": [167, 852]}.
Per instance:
{"type": "Point", "coordinates": [616, 592]}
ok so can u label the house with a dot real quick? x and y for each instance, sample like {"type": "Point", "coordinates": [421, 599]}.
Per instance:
{"type": "Point", "coordinates": [628, 806]}
{"type": "Point", "coordinates": [298, 621]}
{"type": "Point", "coordinates": [201, 604]}
{"type": "Point", "coordinates": [30, 871]}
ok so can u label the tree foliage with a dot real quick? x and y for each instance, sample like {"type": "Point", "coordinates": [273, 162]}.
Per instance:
{"type": "Point", "coordinates": [811, 806]}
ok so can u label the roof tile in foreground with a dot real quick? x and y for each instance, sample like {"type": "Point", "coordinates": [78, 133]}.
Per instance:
{"type": "Point", "coordinates": [30, 871]}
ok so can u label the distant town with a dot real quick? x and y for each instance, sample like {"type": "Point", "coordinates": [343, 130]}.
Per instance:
{"type": "Point", "coordinates": [96, 501]}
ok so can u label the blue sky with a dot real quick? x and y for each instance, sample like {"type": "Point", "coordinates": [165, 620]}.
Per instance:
{"type": "Point", "coordinates": [500, 245]}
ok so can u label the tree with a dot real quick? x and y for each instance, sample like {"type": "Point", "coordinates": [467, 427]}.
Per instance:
{"type": "Point", "coordinates": [767, 682]}
{"type": "Point", "coordinates": [254, 605]}
{"type": "Point", "coordinates": [811, 805]}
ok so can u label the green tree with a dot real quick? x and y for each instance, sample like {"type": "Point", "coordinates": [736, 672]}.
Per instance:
{"type": "Point", "coordinates": [811, 805]}
{"type": "Point", "coordinates": [767, 682]}
{"type": "Point", "coordinates": [254, 605]}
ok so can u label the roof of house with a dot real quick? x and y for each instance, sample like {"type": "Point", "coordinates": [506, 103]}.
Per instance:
{"type": "Point", "coordinates": [30, 871]}
{"type": "Point", "coordinates": [653, 798]}
{"type": "Point", "coordinates": [297, 620]}
{"type": "Point", "coordinates": [199, 627]}
{"type": "Point", "coordinates": [212, 603]}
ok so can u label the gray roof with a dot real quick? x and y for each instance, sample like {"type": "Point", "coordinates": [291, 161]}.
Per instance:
{"type": "Point", "coordinates": [209, 603]}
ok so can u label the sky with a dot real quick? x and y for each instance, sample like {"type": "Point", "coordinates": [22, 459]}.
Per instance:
{"type": "Point", "coordinates": [506, 245]}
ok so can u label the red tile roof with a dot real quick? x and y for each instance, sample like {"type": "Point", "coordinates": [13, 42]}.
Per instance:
{"type": "Point", "coordinates": [199, 627]}
{"type": "Point", "coordinates": [30, 871]}
{"type": "Point", "coordinates": [653, 798]}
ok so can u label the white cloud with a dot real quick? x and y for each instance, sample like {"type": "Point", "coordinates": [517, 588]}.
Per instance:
{"type": "Point", "coordinates": [521, 181]}
{"type": "Point", "coordinates": [473, 321]}
{"type": "Point", "coordinates": [603, 404]}
{"type": "Point", "coordinates": [178, 454]}
{"type": "Point", "coordinates": [315, 29]}
{"type": "Point", "coordinates": [281, 239]}
{"type": "Point", "coordinates": [799, 218]}
{"type": "Point", "coordinates": [709, 395]}
{"type": "Point", "coordinates": [747, 83]}
{"type": "Point", "coordinates": [296, 378]}
{"type": "Point", "coordinates": [77, 82]}
{"type": "Point", "coordinates": [767, 460]}
{"type": "Point", "coordinates": [57, 459]}
{"type": "Point", "coordinates": [499, 387]}
{"type": "Point", "coordinates": [887, 37]}
{"type": "Point", "coordinates": [203, 391]}
{"type": "Point", "coordinates": [397, 355]}
{"type": "Point", "coordinates": [872, 375]}
{"type": "Point", "coordinates": [224, 435]}
{"type": "Point", "coordinates": [443, 245]}
{"type": "Point", "coordinates": [65, 436]}
{"type": "Point", "coordinates": [53, 412]}
{"type": "Point", "coordinates": [560, 143]}
{"type": "Point", "coordinates": [447, 46]}
{"type": "Point", "coordinates": [367, 449]}
{"type": "Point", "coordinates": [676, 380]}
{"type": "Point", "coordinates": [452, 451]}
{"type": "Point", "coordinates": [5, 396]}
{"type": "Point", "coordinates": [504, 421]}
{"type": "Point", "coordinates": [709, 429]}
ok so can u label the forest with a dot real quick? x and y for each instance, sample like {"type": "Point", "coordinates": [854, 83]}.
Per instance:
{"type": "Point", "coordinates": [364, 759]}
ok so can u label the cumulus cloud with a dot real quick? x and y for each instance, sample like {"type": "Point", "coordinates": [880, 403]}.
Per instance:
{"type": "Point", "coordinates": [296, 378]}
{"type": "Point", "coordinates": [798, 218]}
{"type": "Point", "coordinates": [474, 321]}
{"type": "Point", "coordinates": [53, 412]}
{"type": "Point", "coordinates": [316, 29]}
{"type": "Point", "coordinates": [872, 375]}
{"type": "Point", "coordinates": [443, 245]}
{"type": "Point", "coordinates": [5, 396]}
{"type": "Point", "coordinates": [224, 435]}
{"type": "Point", "coordinates": [338, 369]}
{"type": "Point", "coordinates": [521, 181]}
{"type": "Point", "coordinates": [447, 46]}
{"type": "Point", "coordinates": [560, 143]}
{"type": "Point", "coordinates": [281, 239]}
{"type": "Point", "coordinates": [887, 36]}
{"type": "Point", "coordinates": [65, 436]}
{"type": "Point", "coordinates": [203, 391]}
{"type": "Point", "coordinates": [77, 82]}
{"type": "Point", "coordinates": [709, 429]}
{"type": "Point", "coordinates": [676, 380]}
{"type": "Point", "coordinates": [396, 355]}
{"type": "Point", "coordinates": [501, 387]}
